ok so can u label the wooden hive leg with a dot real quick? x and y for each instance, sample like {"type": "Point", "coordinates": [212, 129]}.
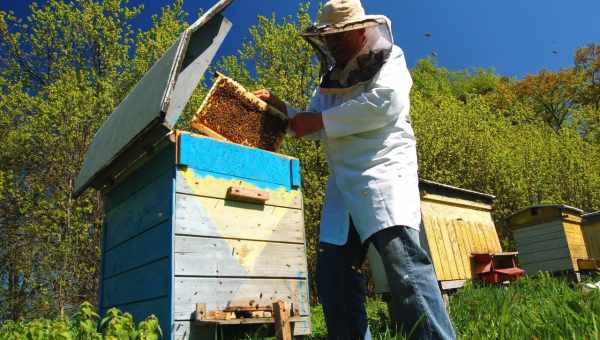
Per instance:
{"type": "Point", "coordinates": [283, 327]}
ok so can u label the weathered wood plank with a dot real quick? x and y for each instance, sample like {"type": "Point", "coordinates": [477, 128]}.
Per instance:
{"type": "Point", "coordinates": [539, 230]}
{"type": "Point", "coordinates": [186, 330]}
{"type": "Point", "coordinates": [444, 272]}
{"type": "Point", "coordinates": [456, 251]}
{"type": "Point", "coordinates": [144, 248]}
{"type": "Point", "coordinates": [202, 216]}
{"type": "Point", "coordinates": [454, 284]}
{"type": "Point", "coordinates": [227, 257]}
{"type": "Point", "coordinates": [548, 266]}
{"type": "Point", "coordinates": [281, 314]}
{"type": "Point", "coordinates": [220, 293]}
{"type": "Point", "coordinates": [451, 259]}
{"type": "Point", "coordinates": [462, 242]}
{"type": "Point", "coordinates": [163, 162]}
{"type": "Point", "coordinates": [473, 236]}
{"type": "Point", "coordinates": [492, 237]}
{"type": "Point", "coordinates": [543, 215]}
{"type": "Point", "coordinates": [144, 283]}
{"type": "Point", "coordinates": [591, 231]}
{"type": "Point", "coordinates": [541, 238]}
{"type": "Point", "coordinates": [532, 247]}
{"type": "Point", "coordinates": [544, 255]}
{"type": "Point", "coordinates": [574, 234]}
{"type": "Point", "coordinates": [431, 244]}
{"type": "Point", "coordinates": [468, 244]}
{"type": "Point", "coordinates": [210, 184]}
{"type": "Point", "coordinates": [480, 233]}
{"type": "Point", "coordinates": [234, 160]}
{"type": "Point", "coordinates": [457, 202]}
{"type": "Point", "coordinates": [144, 209]}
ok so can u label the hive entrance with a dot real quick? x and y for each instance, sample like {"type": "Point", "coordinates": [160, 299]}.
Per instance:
{"type": "Point", "coordinates": [229, 112]}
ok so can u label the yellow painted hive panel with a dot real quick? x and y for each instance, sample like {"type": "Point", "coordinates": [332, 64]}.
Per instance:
{"type": "Point", "coordinates": [453, 232]}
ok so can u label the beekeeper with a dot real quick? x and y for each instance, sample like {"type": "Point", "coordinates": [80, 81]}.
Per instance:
{"type": "Point", "coordinates": [360, 112]}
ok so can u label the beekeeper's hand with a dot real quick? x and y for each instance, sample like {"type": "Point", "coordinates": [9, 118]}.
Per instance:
{"type": "Point", "coordinates": [271, 99]}
{"type": "Point", "coordinates": [306, 123]}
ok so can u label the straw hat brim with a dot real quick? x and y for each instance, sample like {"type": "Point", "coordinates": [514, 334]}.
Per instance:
{"type": "Point", "coordinates": [364, 22]}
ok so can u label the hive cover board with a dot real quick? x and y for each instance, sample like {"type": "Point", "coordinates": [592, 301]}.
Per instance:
{"type": "Point", "coordinates": [154, 105]}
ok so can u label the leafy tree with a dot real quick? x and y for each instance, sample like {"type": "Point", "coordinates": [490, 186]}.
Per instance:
{"type": "Point", "coordinates": [63, 69]}
{"type": "Point", "coordinates": [552, 95]}
{"type": "Point", "coordinates": [587, 61]}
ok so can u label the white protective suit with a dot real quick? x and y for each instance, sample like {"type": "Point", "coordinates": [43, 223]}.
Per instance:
{"type": "Point", "coordinates": [371, 151]}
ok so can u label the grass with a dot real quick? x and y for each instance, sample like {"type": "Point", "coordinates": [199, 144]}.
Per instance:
{"type": "Point", "coordinates": [540, 307]}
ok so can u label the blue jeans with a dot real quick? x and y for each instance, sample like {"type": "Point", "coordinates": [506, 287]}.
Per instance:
{"type": "Point", "coordinates": [416, 304]}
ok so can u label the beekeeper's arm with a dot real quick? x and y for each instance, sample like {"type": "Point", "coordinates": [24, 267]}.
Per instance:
{"type": "Point", "coordinates": [313, 108]}
{"type": "Point", "coordinates": [379, 106]}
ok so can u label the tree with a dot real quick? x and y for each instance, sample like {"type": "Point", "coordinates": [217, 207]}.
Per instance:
{"type": "Point", "coordinates": [587, 62]}
{"type": "Point", "coordinates": [63, 69]}
{"type": "Point", "coordinates": [552, 95]}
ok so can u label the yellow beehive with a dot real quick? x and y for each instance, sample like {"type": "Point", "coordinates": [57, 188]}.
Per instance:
{"type": "Point", "coordinates": [549, 238]}
{"type": "Point", "coordinates": [591, 232]}
{"type": "Point", "coordinates": [456, 223]}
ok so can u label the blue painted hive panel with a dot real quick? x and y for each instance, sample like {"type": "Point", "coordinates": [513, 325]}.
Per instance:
{"type": "Point", "coordinates": [230, 253]}
{"type": "Point", "coordinates": [136, 251]}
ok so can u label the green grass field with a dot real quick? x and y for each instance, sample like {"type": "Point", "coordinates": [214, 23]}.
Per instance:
{"type": "Point", "coordinates": [541, 307]}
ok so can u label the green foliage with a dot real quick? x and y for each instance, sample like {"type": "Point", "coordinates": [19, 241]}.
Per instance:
{"type": "Point", "coordinates": [63, 69]}
{"type": "Point", "coordinates": [473, 144]}
{"type": "Point", "coordinates": [539, 307]}
{"type": "Point", "coordinates": [84, 326]}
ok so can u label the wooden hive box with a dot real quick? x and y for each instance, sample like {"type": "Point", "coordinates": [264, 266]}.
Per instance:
{"type": "Point", "coordinates": [591, 232]}
{"type": "Point", "coordinates": [176, 235]}
{"type": "Point", "coordinates": [549, 238]}
{"type": "Point", "coordinates": [455, 223]}
{"type": "Point", "coordinates": [191, 221]}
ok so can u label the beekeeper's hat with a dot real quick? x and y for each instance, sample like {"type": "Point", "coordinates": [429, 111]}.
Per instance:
{"type": "Point", "coordinates": [344, 15]}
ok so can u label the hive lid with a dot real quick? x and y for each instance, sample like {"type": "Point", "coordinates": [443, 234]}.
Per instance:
{"type": "Point", "coordinates": [152, 108]}
{"type": "Point", "coordinates": [591, 217]}
{"type": "Point", "coordinates": [560, 207]}
{"type": "Point", "coordinates": [538, 214]}
{"type": "Point", "coordinates": [432, 187]}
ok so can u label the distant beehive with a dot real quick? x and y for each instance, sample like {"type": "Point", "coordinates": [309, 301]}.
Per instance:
{"type": "Point", "coordinates": [549, 238]}
{"type": "Point", "coordinates": [455, 224]}
{"type": "Point", "coordinates": [231, 113]}
{"type": "Point", "coordinates": [591, 232]}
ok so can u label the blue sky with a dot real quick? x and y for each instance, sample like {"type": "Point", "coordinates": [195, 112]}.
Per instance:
{"type": "Point", "coordinates": [516, 37]}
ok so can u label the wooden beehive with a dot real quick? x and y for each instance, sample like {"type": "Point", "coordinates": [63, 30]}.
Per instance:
{"type": "Point", "coordinates": [196, 231]}
{"type": "Point", "coordinates": [591, 232]}
{"type": "Point", "coordinates": [455, 223]}
{"type": "Point", "coordinates": [205, 222]}
{"type": "Point", "coordinates": [229, 112]}
{"type": "Point", "coordinates": [549, 238]}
